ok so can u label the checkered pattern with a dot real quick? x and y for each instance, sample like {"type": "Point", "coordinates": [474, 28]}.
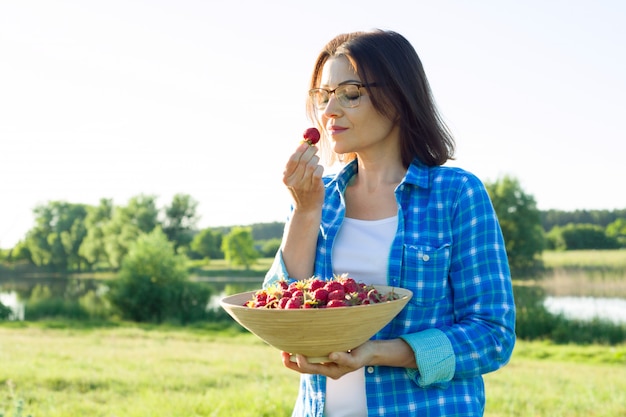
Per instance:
{"type": "Point", "coordinates": [460, 322]}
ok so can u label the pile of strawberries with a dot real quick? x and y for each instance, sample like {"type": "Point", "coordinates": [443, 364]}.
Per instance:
{"type": "Point", "coordinates": [341, 291]}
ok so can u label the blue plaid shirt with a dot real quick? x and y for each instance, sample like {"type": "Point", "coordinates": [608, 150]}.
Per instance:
{"type": "Point", "coordinates": [460, 323]}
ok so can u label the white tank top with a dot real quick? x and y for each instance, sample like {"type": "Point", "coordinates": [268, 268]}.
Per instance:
{"type": "Point", "coordinates": [361, 249]}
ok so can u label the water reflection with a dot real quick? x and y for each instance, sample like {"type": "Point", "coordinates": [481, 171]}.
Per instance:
{"type": "Point", "coordinates": [16, 292]}
{"type": "Point", "coordinates": [588, 308]}
{"type": "Point", "coordinates": [10, 299]}
{"type": "Point", "coordinates": [574, 297]}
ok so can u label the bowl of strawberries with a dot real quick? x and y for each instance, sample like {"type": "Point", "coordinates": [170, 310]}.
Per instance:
{"type": "Point", "coordinates": [315, 317]}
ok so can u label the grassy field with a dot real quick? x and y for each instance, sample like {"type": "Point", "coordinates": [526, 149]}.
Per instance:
{"type": "Point", "coordinates": [599, 273]}
{"type": "Point", "coordinates": [586, 259]}
{"type": "Point", "coordinates": [60, 369]}
{"type": "Point", "coordinates": [132, 371]}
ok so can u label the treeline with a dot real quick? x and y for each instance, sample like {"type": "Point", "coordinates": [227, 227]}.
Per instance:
{"type": "Point", "coordinates": [78, 237]}
{"type": "Point", "coordinates": [602, 218]}
{"type": "Point", "coordinates": [584, 229]}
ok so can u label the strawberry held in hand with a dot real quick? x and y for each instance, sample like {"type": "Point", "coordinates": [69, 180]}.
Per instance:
{"type": "Point", "coordinates": [311, 136]}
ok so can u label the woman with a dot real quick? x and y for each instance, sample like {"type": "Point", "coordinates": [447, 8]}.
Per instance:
{"type": "Point", "coordinates": [394, 215]}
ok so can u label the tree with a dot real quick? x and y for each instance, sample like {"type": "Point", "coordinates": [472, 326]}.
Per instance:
{"type": "Point", "coordinates": [269, 247]}
{"type": "Point", "coordinates": [582, 236]}
{"type": "Point", "coordinates": [142, 212]}
{"type": "Point", "coordinates": [266, 231]}
{"type": "Point", "coordinates": [93, 247]}
{"type": "Point", "coordinates": [180, 220]}
{"type": "Point", "coordinates": [140, 216]}
{"type": "Point", "coordinates": [150, 279]}
{"type": "Point", "coordinates": [58, 233]}
{"type": "Point", "coordinates": [119, 235]}
{"type": "Point", "coordinates": [238, 247]}
{"type": "Point", "coordinates": [520, 221]}
{"type": "Point", "coordinates": [207, 243]}
{"type": "Point", "coordinates": [617, 230]}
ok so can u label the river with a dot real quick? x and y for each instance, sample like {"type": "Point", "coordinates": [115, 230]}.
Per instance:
{"type": "Point", "coordinates": [572, 304]}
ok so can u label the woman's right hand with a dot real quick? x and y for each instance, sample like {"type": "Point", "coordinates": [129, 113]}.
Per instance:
{"type": "Point", "coordinates": [303, 178]}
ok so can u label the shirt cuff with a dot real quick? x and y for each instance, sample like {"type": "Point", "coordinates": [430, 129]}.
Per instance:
{"type": "Point", "coordinates": [277, 271]}
{"type": "Point", "coordinates": [434, 356]}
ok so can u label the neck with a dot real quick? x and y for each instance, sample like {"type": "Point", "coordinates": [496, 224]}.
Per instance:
{"type": "Point", "coordinates": [374, 174]}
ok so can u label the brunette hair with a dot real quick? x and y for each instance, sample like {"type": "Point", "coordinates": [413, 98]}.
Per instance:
{"type": "Point", "coordinates": [402, 92]}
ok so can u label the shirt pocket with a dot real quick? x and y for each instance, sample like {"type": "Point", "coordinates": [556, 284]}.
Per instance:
{"type": "Point", "coordinates": [426, 270]}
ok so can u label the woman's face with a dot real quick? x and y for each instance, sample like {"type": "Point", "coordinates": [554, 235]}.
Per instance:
{"type": "Point", "coordinates": [359, 129]}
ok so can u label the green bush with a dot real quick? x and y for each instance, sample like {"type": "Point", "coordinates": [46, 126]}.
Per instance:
{"type": "Point", "coordinates": [95, 304]}
{"type": "Point", "coordinates": [5, 312]}
{"type": "Point", "coordinates": [54, 307]}
{"type": "Point", "coordinates": [191, 303]}
{"type": "Point", "coordinates": [533, 320]}
{"type": "Point", "coordinates": [582, 332]}
{"type": "Point", "coordinates": [581, 236]}
{"type": "Point", "coordinates": [153, 283]}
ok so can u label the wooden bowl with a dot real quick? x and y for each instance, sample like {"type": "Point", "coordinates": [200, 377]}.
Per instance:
{"type": "Point", "coordinates": [314, 332]}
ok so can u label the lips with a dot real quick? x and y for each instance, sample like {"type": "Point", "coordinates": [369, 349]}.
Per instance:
{"type": "Point", "coordinates": [333, 130]}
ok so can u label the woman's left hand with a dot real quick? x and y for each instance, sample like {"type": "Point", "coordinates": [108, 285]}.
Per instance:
{"type": "Point", "coordinates": [341, 362]}
{"type": "Point", "coordinates": [394, 352]}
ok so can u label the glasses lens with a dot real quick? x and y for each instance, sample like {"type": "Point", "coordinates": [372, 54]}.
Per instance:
{"type": "Point", "coordinates": [349, 95]}
{"type": "Point", "coordinates": [319, 97]}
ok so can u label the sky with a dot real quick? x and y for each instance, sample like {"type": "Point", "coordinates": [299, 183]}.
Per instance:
{"type": "Point", "coordinates": [118, 98]}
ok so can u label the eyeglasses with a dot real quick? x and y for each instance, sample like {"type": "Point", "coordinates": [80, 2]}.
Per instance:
{"type": "Point", "coordinates": [348, 95]}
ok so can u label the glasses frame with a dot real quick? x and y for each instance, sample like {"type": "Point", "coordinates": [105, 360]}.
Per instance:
{"type": "Point", "coordinates": [330, 92]}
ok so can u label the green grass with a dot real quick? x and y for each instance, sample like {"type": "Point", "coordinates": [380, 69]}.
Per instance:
{"type": "Point", "coordinates": [140, 371]}
{"type": "Point", "coordinates": [556, 388]}
{"type": "Point", "coordinates": [586, 259]}
{"type": "Point", "coordinates": [599, 273]}
{"type": "Point", "coordinates": [58, 369]}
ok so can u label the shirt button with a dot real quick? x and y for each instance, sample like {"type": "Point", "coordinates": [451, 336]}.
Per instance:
{"type": "Point", "coordinates": [370, 369]}
{"type": "Point", "coordinates": [425, 258]}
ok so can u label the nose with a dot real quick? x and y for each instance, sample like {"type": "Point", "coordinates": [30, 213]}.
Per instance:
{"type": "Point", "coordinates": [333, 108]}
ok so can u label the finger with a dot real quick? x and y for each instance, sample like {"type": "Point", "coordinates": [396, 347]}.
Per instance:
{"type": "Point", "coordinates": [289, 363]}
{"type": "Point", "coordinates": [292, 163]}
{"type": "Point", "coordinates": [302, 156]}
{"type": "Point", "coordinates": [318, 173]}
{"type": "Point", "coordinates": [342, 358]}
{"type": "Point", "coordinates": [306, 172]}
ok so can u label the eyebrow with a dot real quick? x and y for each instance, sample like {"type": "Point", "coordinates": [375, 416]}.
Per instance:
{"type": "Point", "coordinates": [344, 83]}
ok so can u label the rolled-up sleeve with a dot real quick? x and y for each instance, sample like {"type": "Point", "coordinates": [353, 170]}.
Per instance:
{"type": "Point", "coordinates": [434, 356]}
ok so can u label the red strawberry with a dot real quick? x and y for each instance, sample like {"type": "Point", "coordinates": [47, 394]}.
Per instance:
{"type": "Point", "coordinates": [271, 301]}
{"type": "Point", "coordinates": [321, 295]}
{"type": "Point", "coordinates": [318, 293]}
{"type": "Point", "coordinates": [293, 303]}
{"type": "Point", "coordinates": [311, 136]}
{"type": "Point", "coordinates": [337, 295]}
{"type": "Point", "coordinates": [317, 283]}
{"type": "Point", "coordinates": [350, 285]}
{"type": "Point", "coordinates": [282, 303]}
{"type": "Point", "coordinates": [333, 285]}
{"type": "Point", "coordinates": [336, 303]}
